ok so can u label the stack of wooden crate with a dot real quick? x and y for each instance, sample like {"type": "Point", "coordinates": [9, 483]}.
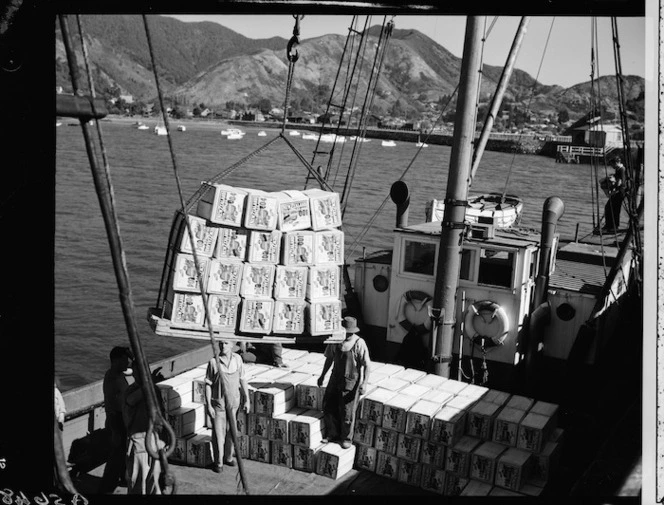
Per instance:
{"type": "Point", "coordinates": [454, 438]}
{"type": "Point", "coordinates": [269, 263]}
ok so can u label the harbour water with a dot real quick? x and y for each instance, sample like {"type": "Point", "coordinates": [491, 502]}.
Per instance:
{"type": "Point", "coordinates": [88, 316]}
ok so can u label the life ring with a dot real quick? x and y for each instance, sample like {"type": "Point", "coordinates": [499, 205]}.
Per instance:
{"type": "Point", "coordinates": [486, 319]}
{"type": "Point", "coordinates": [416, 309]}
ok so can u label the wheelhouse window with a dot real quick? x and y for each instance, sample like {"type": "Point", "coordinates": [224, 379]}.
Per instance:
{"type": "Point", "coordinates": [419, 257]}
{"type": "Point", "coordinates": [496, 268]}
{"type": "Point", "coordinates": [467, 265]}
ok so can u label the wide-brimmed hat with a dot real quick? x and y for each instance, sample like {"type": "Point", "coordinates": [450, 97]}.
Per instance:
{"type": "Point", "coordinates": [350, 324]}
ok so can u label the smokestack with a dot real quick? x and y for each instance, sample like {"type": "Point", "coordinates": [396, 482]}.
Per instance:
{"type": "Point", "coordinates": [400, 196]}
{"type": "Point", "coordinates": [552, 211]}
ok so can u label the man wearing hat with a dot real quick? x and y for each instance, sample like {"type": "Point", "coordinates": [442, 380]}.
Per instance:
{"type": "Point", "coordinates": [616, 196]}
{"type": "Point", "coordinates": [347, 381]}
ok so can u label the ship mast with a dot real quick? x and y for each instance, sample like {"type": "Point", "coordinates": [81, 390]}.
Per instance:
{"type": "Point", "coordinates": [452, 226]}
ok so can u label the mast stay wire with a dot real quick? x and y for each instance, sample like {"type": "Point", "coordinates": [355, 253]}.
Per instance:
{"type": "Point", "coordinates": [197, 265]}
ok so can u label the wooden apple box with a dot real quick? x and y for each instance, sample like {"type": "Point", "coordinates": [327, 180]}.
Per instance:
{"type": "Point", "coordinates": [259, 449]}
{"type": "Point", "coordinates": [385, 440]}
{"type": "Point", "coordinates": [308, 368]}
{"type": "Point", "coordinates": [389, 368]}
{"type": "Point", "coordinates": [243, 446]}
{"type": "Point", "coordinates": [546, 409]}
{"type": "Point", "coordinates": [290, 283]}
{"type": "Point", "coordinates": [394, 411]}
{"type": "Point", "coordinates": [462, 402]}
{"type": "Point", "coordinates": [480, 420]}
{"type": "Point", "coordinates": [325, 208]}
{"type": "Point", "coordinates": [474, 392]}
{"type": "Point", "coordinates": [476, 488]}
{"type": "Point", "coordinates": [289, 317]}
{"type": "Point", "coordinates": [363, 432]}
{"type": "Point", "coordinates": [184, 273]}
{"type": "Point", "coordinates": [365, 457]}
{"type": "Point", "coordinates": [328, 247]}
{"type": "Point", "coordinates": [222, 204]}
{"type": "Point", "coordinates": [483, 461]}
{"type": "Point", "coordinates": [433, 479]}
{"type": "Point", "coordinates": [273, 374]}
{"type": "Point", "coordinates": [264, 247]}
{"type": "Point", "coordinates": [324, 317]}
{"type": "Point", "coordinates": [224, 311]}
{"type": "Point", "coordinates": [260, 211]}
{"type": "Point", "coordinates": [323, 282]}
{"type": "Point", "coordinates": [256, 315]}
{"type": "Point", "coordinates": [387, 465]}
{"type": "Point", "coordinates": [371, 406]}
{"type": "Point", "coordinates": [198, 391]}
{"type": "Point", "coordinates": [452, 386]}
{"type": "Point", "coordinates": [258, 425]}
{"type": "Point", "coordinates": [409, 472]}
{"type": "Point", "coordinates": [545, 464]}
{"type": "Point", "coordinates": [281, 453]}
{"type": "Point", "coordinates": [295, 354]}
{"type": "Point", "coordinates": [454, 484]}
{"type": "Point", "coordinates": [179, 453]}
{"type": "Point", "coordinates": [257, 280]}
{"type": "Point", "coordinates": [458, 456]}
{"type": "Point", "coordinates": [304, 458]}
{"type": "Point", "coordinates": [534, 431]}
{"type": "Point", "coordinates": [432, 381]}
{"type": "Point", "coordinates": [279, 425]}
{"type": "Point", "coordinates": [309, 394]}
{"type": "Point", "coordinates": [232, 244]}
{"type": "Point", "coordinates": [415, 390]}
{"type": "Point", "coordinates": [495, 396]}
{"type": "Point", "coordinates": [175, 392]}
{"type": "Point", "coordinates": [334, 461]}
{"type": "Point", "coordinates": [293, 211]}
{"type": "Point", "coordinates": [376, 377]}
{"type": "Point", "coordinates": [277, 398]}
{"type": "Point", "coordinates": [393, 384]}
{"type": "Point", "coordinates": [205, 237]}
{"type": "Point", "coordinates": [306, 429]}
{"type": "Point", "coordinates": [411, 375]}
{"type": "Point", "coordinates": [187, 419]}
{"type": "Point", "coordinates": [432, 454]}
{"type": "Point", "coordinates": [225, 276]}
{"type": "Point", "coordinates": [513, 469]}
{"type": "Point", "coordinates": [199, 450]}
{"type": "Point", "coordinates": [241, 422]}
{"type": "Point", "coordinates": [420, 417]}
{"type": "Point", "coordinates": [408, 448]}
{"type": "Point", "coordinates": [315, 357]}
{"type": "Point", "coordinates": [297, 248]}
{"type": "Point", "coordinates": [448, 425]}
{"type": "Point", "coordinates": [438, 397]}
{"type": "Point", "coordinates": [506, 426]}
{"type": "Point", "coordinates": [520, 402]}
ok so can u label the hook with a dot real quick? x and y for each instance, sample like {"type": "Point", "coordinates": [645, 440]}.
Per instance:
{"type": "Point", "coordinates": [291, 54]}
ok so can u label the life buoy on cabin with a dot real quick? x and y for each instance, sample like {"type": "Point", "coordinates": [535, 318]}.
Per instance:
{"type": "Point", "coordinates": [415, 310]}
{"type": "Point", "coordinates": [486, 319]}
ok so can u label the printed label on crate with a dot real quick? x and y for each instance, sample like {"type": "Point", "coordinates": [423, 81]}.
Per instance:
{"type": "Point", "coordinates": [188, 309]}
{"type": "Point", "coordinates": [264, 247]}
{"type": "Point", "coordinates": [365, 457]}
{"type": "Point", "coordinates": [222, 204]}
{"type": "Point", "coordinates": [243, 446]}
{"type": "Point", "coordinates": [454, 484]}
{"type": "Point", "coordinates": [257, 280]}
{"type": "Point", "coordinates": [325, 209]}
{"type": "Point", "coordinates": [483, 461]}
{"type": "Point", "coordinates": [205, 237]}
{"type": "Point", "coordinates": [408, 447]}
{"type": "Point", "coordinates": [289, 316]}
{"type": "Point", "coordinates": [298, 248]}
{"type": "Point", "coordinates": [259, 449]}
{"type": "Point", "coordinates": [323, 282]}
{"type": "Point", "coordinates": [364, 432]}
{"type": "Point", "coordinates": [329, 247]}
{"type": "Point", "coordinates": [241, 422]}
{"type": "Point", "coordinates": [223, 311]}
{"type": "Point", "coordinates": [410, 472]}
{"type": "Point", "coordinates": [256, 315]}
{"type": "Point", "coordinates": [258, 425]}
{"type": "Point", "coordinates": [293, 211]}
{"type": "Point", "coordinates": [387, 465]}
{"type": "Point", "coordinates": [511, 469]}
{"type": "Point", "coordinates": [433, 479]}
{"type": "Point", "coordinates": [448, 425]}
{"type": "Point", "coordinates": [433, 454]}
{"type": "Point", "coordinates": [199, 450]}
{"type": "Point", "coordinates": [290, 282]}
{"type": "Point", "coordinates": [224, 277]}
{"type": "Point", "coordinates": [304, 458]}
{"type": "Point", "coordinates": [198, 391]}
{"type": "Point", "coordinates": [231, 244]}
{"type": "Point", "coordinates": [282, 453]}
{"type": "Point", "coordinates": [324, 317]}
{"type": "Point", "coordinates": [506, 426]}
{"type": "Point", "coordinates": [180, 450]}
{"type": "Point", "coordinates": [533, 431]}
{"type": "Point", "coordinates": [261, 211]}
{"type": "Point", "coordinates": [386, 440]}
{"type": "Point", "coordinates": [184, 276]}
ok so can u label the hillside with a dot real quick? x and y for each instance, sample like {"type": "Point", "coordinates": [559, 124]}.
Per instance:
{"type": "Point", "coordinates": [207, 63]}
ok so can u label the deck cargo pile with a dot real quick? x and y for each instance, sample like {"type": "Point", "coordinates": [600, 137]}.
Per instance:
{"type": "Point", "coordinates": [270, 263]}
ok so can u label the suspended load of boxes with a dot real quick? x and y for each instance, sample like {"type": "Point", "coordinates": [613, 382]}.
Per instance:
{"type": "Point", "coordinates": [444, 436]}
{"type": "Point", "coordinates": [270, 263]}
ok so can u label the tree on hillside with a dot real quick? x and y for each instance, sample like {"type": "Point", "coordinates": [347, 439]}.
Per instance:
{"type": "Point", "coordinates": [563, 116]}
{"type": "Point", "coordinates": [264, 105]}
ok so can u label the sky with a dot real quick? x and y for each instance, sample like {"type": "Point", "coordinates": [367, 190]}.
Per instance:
{"type": "Point", "coordinates": [565, 60]}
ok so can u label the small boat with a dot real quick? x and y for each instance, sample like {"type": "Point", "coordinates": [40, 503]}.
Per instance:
{"type": "Point", "coordinates": [262, 134]}
{"type": "Point", "coordinates": [388, 143]}
{"type": "Point", "coordinates": [502, 212]}
{"type": "Point", "coordinates": [293, 132]}
{"type": "Point", "coordinates": [327, 137]}
{"type": "Point", "coordinates": [160, 130]}
{"type": "Point", "coordinates": [309, 136]}
{"type": "Point", "coordinates": [359, 139]}
{"type": "Point", "coordinates": [232, 131]}
{"type": "Point", "coordinates": [143, 127]}
{"type": "Point", "coordinates": [234, 136]}
{"type": "Point", "coordinates": [182, 128]}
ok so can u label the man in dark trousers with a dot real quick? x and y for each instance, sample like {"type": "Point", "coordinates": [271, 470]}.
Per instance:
{"type": "Point", "coordinates": [616, 189]}
{"type": "Point", "coordinates": [116, 381]}
{"type": "Point", "coordinates": [348, 380]}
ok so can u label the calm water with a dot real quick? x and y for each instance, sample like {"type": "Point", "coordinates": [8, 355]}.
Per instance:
{"type": "Point", "coordinates": [88, 316]}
